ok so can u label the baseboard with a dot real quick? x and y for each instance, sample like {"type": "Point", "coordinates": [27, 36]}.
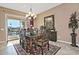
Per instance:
{"type": "Point", "coordinates": [65, 42]}
{"type": "Point", "coordinates": [13, 40]}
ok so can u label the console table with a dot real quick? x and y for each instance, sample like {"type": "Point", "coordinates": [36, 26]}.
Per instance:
{"type": "Point", "coordinates": [52, 35]}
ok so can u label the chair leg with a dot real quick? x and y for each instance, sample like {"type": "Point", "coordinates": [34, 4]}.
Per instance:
{"type": "Point", "coordinates": [42, 50]}
{"type": "Point", "coordinates": [48, 46]}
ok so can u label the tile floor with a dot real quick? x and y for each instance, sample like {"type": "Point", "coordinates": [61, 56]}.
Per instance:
{"type": "Point", "coordinates": [8, 49]}
{"type": "Point", "coordinates": [66, 49]}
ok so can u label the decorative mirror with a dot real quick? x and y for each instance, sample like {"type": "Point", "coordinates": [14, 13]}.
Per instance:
{"type": "Point", "coordinates": [49, 22]}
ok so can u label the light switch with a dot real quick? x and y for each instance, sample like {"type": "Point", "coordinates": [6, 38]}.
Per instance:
{"type": "Point", "coordinates": [2, 29]}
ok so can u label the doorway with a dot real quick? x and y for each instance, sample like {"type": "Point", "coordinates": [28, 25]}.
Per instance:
{"type": "Point", "coordinates": [13, 28]}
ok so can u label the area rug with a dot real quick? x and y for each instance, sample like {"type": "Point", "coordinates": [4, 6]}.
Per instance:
{"type": "Point", "coordinates": [52, 50]}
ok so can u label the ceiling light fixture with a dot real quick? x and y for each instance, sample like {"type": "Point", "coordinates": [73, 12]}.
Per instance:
{"type": "Point", "coordinates": [30, 15]}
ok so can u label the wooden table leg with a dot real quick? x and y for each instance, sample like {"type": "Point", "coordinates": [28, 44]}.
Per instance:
{"type": "Point", "coordinates": [42, 50]}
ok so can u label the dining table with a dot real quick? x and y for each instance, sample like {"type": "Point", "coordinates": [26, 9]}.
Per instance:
{"type": "Point", "coordinates": [33, 41]}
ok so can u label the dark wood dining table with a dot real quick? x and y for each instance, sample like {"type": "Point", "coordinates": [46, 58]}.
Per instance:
{"type": "Point", "coordinates": [31, 39]}
{"type": "Point", "coordinates": [34, 40]}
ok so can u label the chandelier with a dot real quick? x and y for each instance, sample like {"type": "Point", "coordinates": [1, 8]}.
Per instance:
{"type": "Point", "coordinates": [30, 15]}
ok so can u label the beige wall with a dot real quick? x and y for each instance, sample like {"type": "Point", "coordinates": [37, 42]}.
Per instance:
{"type": "Point", "coordinates": [62, 14]}
{"type": "Point", "coordinates": [2, 26]}
{"type": "Point", "coordinates": [11, 11]}
{"type": "Point", "coordinates": [6, 13]}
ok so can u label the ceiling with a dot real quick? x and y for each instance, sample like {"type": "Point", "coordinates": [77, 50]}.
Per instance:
{"type": "Point", "coordinates": [25, 7]}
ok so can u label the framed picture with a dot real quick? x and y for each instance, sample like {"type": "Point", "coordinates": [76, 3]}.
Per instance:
{"type": "Point", "coordinates": [49, 22]}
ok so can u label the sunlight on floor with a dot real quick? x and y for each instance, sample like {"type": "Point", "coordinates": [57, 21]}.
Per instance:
{"type": "Point", "coordinates": [10, 43]}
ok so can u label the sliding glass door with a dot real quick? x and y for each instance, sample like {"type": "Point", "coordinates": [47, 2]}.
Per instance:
{"type": "Point", "coordinates": [14, 27]}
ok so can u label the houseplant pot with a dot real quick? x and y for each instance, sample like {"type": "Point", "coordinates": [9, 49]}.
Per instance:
{"type": "Point", "coordinates": [73, 24]}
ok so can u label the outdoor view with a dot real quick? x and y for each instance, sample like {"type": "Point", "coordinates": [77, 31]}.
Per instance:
{"type": "Point", "coordinates": [14, 28]}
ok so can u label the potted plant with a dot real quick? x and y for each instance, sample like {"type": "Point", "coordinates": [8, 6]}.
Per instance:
{"type": "Point", "coordinates": [73, 24]}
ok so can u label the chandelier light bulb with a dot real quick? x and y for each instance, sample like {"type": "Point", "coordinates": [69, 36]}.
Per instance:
{"type": "Point", "coordinates": [31, 15]}
{"type": "Point", "coordinates": [27, 15]}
